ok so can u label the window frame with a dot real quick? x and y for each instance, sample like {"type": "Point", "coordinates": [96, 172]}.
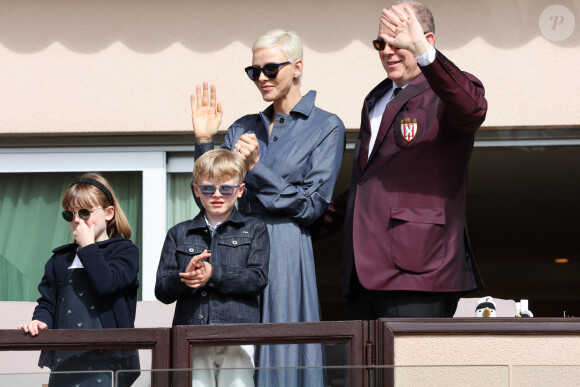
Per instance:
{"type": "Point", "coordinates": [150, 161]}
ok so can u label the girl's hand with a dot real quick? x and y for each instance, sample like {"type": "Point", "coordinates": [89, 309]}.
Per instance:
{"type": "Point", "coordinates": [32, 327]}
{"type": "Point", "coordinates": [206, 115]}
{"type": "Point", "coordinates": [83, 234]}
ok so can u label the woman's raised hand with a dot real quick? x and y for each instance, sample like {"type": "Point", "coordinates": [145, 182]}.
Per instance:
{"type": "Point", "coordinates": [206, 115]}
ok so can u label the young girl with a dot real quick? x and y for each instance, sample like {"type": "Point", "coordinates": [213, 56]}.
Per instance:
{"type": "Point", "coordinates": [89, 284]}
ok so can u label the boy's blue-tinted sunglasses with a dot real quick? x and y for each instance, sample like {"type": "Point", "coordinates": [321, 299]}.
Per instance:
{"type": "Point", "coordinates": [225, 190]}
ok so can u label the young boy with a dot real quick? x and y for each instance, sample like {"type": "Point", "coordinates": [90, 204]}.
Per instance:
{"type": "Point", "coordinates": [215, 266]}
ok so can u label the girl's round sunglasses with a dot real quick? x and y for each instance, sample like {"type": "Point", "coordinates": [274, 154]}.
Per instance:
{"type": "Point", "coordinates": [84, 214]}
{"type": "Point", "coordinates": [270, 70]}
{"type": "Point", "coordinates": [209, 190]}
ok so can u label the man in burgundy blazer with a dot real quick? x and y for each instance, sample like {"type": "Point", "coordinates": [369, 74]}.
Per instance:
{"type": "Point", "coordinates": [406, 249]}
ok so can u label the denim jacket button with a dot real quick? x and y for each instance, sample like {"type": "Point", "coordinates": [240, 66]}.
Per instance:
{"type": "Point", "coordinates": [203, 294]}
{"type": "Point", "coordinates": [191, 250]}
{"type": "Point", "coordinates": [199, 317]}
{"type": "Point", "coordinates": [211, 284]}
{"type": "Point", "coordinates": [234, 242]}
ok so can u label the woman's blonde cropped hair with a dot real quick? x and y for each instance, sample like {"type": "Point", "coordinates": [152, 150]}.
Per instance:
{"type": "Point", "coordinates": [219, 163]}
{"type": "Point", "coordinates": [288, 41]}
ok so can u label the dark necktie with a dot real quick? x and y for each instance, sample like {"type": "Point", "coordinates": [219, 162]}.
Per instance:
{"type": "Point", "coordinates": [364, 152]}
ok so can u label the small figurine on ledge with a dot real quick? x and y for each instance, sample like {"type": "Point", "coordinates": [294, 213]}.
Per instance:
{"type": "Point", "coordinates": [485, 307]}
{"type": "Point", "coordinates": [522, 309]}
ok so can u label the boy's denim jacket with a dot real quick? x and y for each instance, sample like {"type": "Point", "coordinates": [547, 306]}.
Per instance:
{"type": "Point", "coordinates": [240, 254]}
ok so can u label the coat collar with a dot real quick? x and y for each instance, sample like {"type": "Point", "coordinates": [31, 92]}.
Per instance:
{"type": "Point", "coordinates": [304, 107]}
{"type": "Point", "coordinates": [199, 221]}
{"type": "Point", "coordinates": [380, 90]}
{"type": "Point", "coordinates": [74, 246]}
{"type": "Point", "coordinates": [376, 93]}
{"type": "Point", "coordinates": [414, 88]}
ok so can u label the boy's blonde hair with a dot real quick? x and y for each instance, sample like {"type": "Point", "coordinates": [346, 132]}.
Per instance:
{"type": "Point", "coordinates": [219, 163]}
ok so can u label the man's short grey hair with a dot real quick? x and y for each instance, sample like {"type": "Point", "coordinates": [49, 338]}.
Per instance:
{"type": "Point", "coordinates": [423, 14]}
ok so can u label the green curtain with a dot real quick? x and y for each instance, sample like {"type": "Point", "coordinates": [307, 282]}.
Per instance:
{"type": "Point", "coordinates": [180, 203]}
{"type": "Point", "coordinates": [31, 224]}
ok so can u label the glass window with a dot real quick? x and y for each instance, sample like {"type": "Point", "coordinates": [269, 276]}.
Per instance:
{"type": "Point", "coordinates": [31, 224]}
{"type": "Point", "coordinates": [180, 203]}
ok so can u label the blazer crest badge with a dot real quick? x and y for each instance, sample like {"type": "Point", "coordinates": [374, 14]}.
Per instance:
{"type": "Point", "coordinates": [409, 128]}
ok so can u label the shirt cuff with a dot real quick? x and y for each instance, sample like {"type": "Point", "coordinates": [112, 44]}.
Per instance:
{"type": "Point", "coordinates": [427, 58]}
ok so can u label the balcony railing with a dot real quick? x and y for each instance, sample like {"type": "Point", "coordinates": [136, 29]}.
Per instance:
{"type": "Point", "coordinates": [357, 350]}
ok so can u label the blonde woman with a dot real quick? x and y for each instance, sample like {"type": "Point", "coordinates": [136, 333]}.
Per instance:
{"type": "Point", "coordinates": [293, 152]}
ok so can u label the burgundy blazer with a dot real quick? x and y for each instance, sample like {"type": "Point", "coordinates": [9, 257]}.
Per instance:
{"type": "Point", "coordinates": [405, 213]}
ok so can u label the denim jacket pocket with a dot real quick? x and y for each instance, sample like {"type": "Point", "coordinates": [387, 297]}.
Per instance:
{"type": "Point", "coordinates": [417, 239]}
{"type": "Point", "coordinates": [184, 252]}
{"type": "Point", "coordinates": [234, 250]}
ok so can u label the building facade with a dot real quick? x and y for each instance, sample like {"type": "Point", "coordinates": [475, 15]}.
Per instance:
{"type": "Point", "coordinates": [105, 86]}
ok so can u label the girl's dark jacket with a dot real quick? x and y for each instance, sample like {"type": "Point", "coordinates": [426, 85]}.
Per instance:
{"type": "Point", "coordinates": [112, 267]}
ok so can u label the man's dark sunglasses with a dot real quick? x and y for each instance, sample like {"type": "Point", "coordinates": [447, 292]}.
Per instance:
{"type": "Point", "coordinates": [225, 190]}
{"type": "Point", "coordinates": [270, 70]}
{"type": "Point", "coordinates": [380, 44]}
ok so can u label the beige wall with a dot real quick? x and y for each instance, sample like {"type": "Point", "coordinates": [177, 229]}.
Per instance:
{"type": "Point", "coordinates": [129, 66]}
{"type": "Point", "coordinates": [487, 350]}
{"type": "Point", "coordinates": [533, 360]}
